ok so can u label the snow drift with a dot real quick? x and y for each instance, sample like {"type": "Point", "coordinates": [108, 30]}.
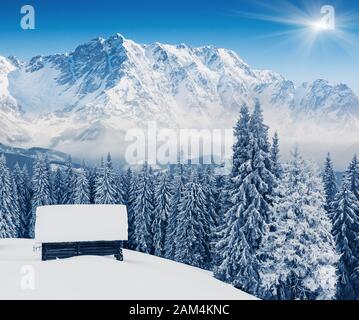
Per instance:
{"type": "Point", "coordinates": [138, 277]}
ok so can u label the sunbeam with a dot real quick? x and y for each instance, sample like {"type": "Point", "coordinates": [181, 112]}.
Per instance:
{"type": "Point", "coordinates": [307, 24]}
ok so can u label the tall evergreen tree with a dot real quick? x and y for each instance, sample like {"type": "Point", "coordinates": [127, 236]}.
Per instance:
{"type": "Point", "coordinates": [252, 184]}
{"type": "Point", "coordinates": [275, 155]}
{"type": "Point", "coordinates": [178, 185]}
{"type": "Point", "coordinates": [128, 186]}
{"type": "Point", "coordinates": [23, 194]}
{"type": "Point", "coordinates": [345, 216]}
{"type": "Point", "coordinates": [161, 213]}
{"type": "Point", "coordinates": [190, 235]}
{"type": "Point", "coordinates": [58, 187]}
{"type": "Point", "coordinates": [28, 195]}
{"type": "Point", "coordinates": [126, 182]}
{"type": "Point", "coordinates": [130, 201]}
{"type": "Point", "coordinates": [69, 181]}
{"type": "Point", "coordinates": [223, 206]}
{"type": "Point", "coordinates": [16, 208]}
{"type": "Point", "coordinates": [211, 221]}
{"type": "Point", "coordinates": [300, 258]}
{"type": "Point", "coordinates": [143, 211]}
{"type": "Point", "coordinates": [330, 183]}
{"type": "Point", "coordinates": [352, 176]}
{"type": "Point", "coordinates": [42, 192]}
{"type": "Point", "coordinates": [106, 184]}
{"type": "Point", "coordinates": [82, 187]}
{"type": "Point", "coordinates": [8, 205]}
{"type": "Point", "coordinates": [91, 177]}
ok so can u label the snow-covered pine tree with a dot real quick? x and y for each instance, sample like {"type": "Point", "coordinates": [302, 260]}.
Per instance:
{"type": "Point", "coordinates": [152, 187]}
{"type": "Point", "coordinates": [8, 206]}
{"type": "Point", "coordinates": [211, 222]}
{"type": "Point", "coordinates": [275, 155]}
{"type": "Point", "coordinates": [330, 183]}
{"type": "Point", "coordinates": [352, 176]}
{"type": "Point", "coordinates": [82, 187]}
{"type": "Point", "coordinates": [161, 213]}
{"type": "Point", "coordinates": [106, 184]}
{"type": "Point", "coordinates": [126, 182]}
{"type": "Point", "coordinates": [16, 207]}
{"type": "Point", "coordinates": [190, 237]}
{"type": "Point", "coordinates": [223, 205]}
{"type": "Point", "coordinates": [263, 178]}
{"type": "Point", "coordinates": [345, 216]}
{"type": "Point", "coordinates": [252, 184]}
{"type": "Point", "coordinates": [42, 192]}
{"type": "Point", "coordinates": [69, 181]}
{"type": "Point", "coordinates": [24, 194]}
{"type": "Point", "coordinates": [130, 198]}
{"type": "Point", "coordinates": [91, 177]}
{"type": "Point", "coordinates": [178, 183]}
{"type": "Point", "coordinates": [143, 211]}
{"type": "Point", "coordinates": [300, 258]}
{"type": "Point", "coordinates": [26, 215]}
{"type": "Point", "coordinates": [58, 187]}
{"type": "Point", "coordinates": [128, 185]}
{"type": "Point", "coordinates": [227, 236]}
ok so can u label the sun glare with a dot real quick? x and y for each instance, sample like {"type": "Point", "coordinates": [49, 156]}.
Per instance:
{"type": "Point", "coordinates": [307, 25]}
{"type": "Point", "coordinates": [321, 26]}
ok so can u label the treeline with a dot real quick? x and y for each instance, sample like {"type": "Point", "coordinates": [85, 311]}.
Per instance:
{"type": "Point", "coordinates": [172, 213]}
{"type": "Point", "coordinates": [278, 231]}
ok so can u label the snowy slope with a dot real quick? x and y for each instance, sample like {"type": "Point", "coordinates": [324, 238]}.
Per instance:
{"type": "Point", "coordinates": [139, 277]}
{"type": "Point", "coordinates": [89, 97]}
{"type": "Point", "coordinates": [13, 128]}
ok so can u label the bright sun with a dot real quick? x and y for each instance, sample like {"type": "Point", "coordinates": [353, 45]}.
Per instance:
{"type": "Point", "coordinates": [321, 26]}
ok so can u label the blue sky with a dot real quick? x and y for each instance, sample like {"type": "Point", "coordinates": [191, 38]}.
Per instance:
{"type": "Point", "coordinates": [260, 31]}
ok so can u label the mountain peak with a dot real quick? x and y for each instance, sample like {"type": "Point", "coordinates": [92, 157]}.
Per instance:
{"type": "Point", "coordinates": [117, 36]}
{"type": "Point", "coordinates": [16, 62]}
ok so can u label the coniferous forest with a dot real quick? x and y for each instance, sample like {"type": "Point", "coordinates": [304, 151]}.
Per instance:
{"type": "Point", "coordinates": [276, 230]}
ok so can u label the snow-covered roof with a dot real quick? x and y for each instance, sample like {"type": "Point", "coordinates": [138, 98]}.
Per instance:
{"type": "Point", "coordinates": [71, 223]}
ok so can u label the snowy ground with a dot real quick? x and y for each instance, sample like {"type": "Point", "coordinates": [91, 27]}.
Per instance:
{"type": "Point", "coordinates": [139, 277]}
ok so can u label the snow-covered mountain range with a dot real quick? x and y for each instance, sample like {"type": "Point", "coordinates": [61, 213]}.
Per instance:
{"type": "Point", "coordinates": [89, 97]}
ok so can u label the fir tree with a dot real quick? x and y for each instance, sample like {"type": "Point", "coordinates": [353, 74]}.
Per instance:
{"type": "Point", "coordinates": [126, 182]}
{"type": "Point", "coordinates": [179, 181]}
{"type": "Point", "coordinates": [274, 154]}
{"type": "Point", "coordinates": [42, 193]}
{"type": "Point", "coordinates": [330, 183]}
{"type": "Point", "coordinates": [345, 215]}
{"type": "Point", "coordinates": [352, 177]}
{"type": "Point", "coordinates": [82, 188]}
{"type": "Point", "coordinates": [23, 195]}
{"type": "Point", "coordinates": [91, 177]}
{"type": "Point", "coordinates": [252, 184]}
{"type": "Point", "coordinates": [27, 194]}
{"type": "Point", "coordinates": [69, 181]}
{"type": "Point", "coordinates": [211, 221]}
{"type": "Point", "coordinates": [300, 258]}
{"type": "Point", "coordinates": [161, 213]}
{"type": "Point", "coordinates": [242, 139]}
{"type": "Point", "coordinates": [130, 198]}
{"type": "Point", "coordinates": [58, 187]}
{"type": "Point", "coordinates": [106, 184]}
{"type": "Point", "coordinates": [190, 235]}
{"type": "Point", "coordinates": [17, 210]}
{"type": "Point", "coordinates": [143, 211]}
{"type": "Point", "coordinates": [223, 206]}
{"type": "Point", "coordinates": [8, 205]}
